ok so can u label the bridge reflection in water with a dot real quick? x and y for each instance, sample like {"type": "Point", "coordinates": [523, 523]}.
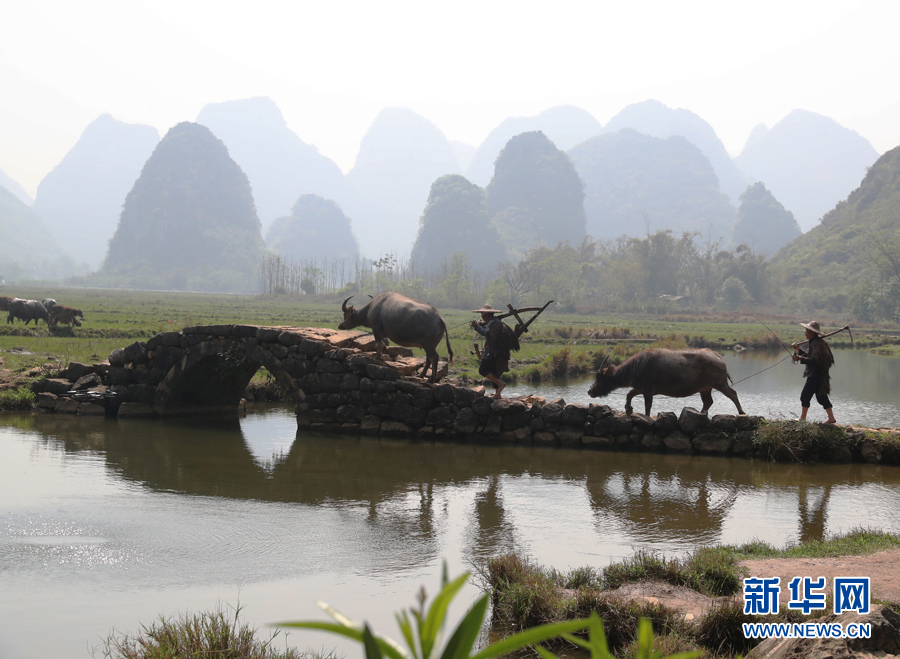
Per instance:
{"type": "Point", "coordinates": [664, 501]}
{"type": "Point", "coordinates": [110, 523]}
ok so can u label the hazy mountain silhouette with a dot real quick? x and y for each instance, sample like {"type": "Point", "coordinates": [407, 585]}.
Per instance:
{"type": "Point", "coordinates": [81, 199]}
{"type": "Point", "coordinates": [809, 162]}
{"type": "Point", "coordinates": [535, 197]}
{"type": "Point", "coordinates": [27, 250]}
{"type": "Point", "coordinates": [316, 230]}
{"type": "Point", "coordinates": [456, 221]}
{"type": "Point", "coordinates": [658, 120]}
{"type": "Point", "coordinates": [189, 222]}
{"type": "Point", "coordinates": [565, 126]}
{"type": "Point", "coordinates": [280, 166]}
{"type": "Point", "coordinates": [13, 186]}
{"type": "Point", "coordinates": [762, 222]}
{"type": "Point", "coordinates": [399, 158]}
{"type": "Point", "coordinates": [632, 180]}
{"type": "Point", "coordinates": [843, 251]}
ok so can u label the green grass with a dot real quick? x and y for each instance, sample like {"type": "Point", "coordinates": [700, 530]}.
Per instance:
{"type": "Point", "coordinates": [20, 398]}
{"type": "Point", "coordinates": [209, 634]}
{"type": "Point", "coordinates": [856, 542]}
{"type": "Point", "coordinates": [556, 345]}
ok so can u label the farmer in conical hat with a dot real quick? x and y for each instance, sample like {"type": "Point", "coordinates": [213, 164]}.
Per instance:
{"type": "Point", "coordinates": [495, 356]}
{"type": "Point", "coordinates": [818, 359]}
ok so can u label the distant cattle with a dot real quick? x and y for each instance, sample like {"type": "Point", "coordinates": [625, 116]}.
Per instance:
{"type": "Point", "coordinates": [4, 302]}
{"type": "Point", "coordinates": [48, 303]}
{"type": "Point", "coordinates": [60, 313]}
{"type": "Point", "coordinates": [27, 310]}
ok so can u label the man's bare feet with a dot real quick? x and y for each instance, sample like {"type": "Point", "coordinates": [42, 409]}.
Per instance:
{"type": "Point", "coordinates": [500, 387]}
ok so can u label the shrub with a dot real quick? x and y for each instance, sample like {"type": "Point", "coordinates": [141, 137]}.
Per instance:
{"type": "Point", "coordinates": [210, 634]}
{"type": "Point", "coordinates": [21, 398]}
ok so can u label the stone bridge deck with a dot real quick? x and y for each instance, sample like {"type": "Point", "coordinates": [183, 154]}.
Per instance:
{"type": "Point", "coordinates": [338, 386]}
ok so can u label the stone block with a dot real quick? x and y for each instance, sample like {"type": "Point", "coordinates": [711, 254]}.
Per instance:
{"type": "Point", "coordinates": [267, 334]}
{"type": "Point", "coordinates": [46, 400]}
{"type": "Point", "coordinates": [91, 409]}
{"type": "Point", "coordinates": [574, 415]}
{"type": "Point", "coordinates": [117, 357]}
{"type": "Point", "coordinates": [77, 370]}
{"type": "Point", "coordinates": [692, 422]}
{"type": "Point", "coordinates": [465, 421]}
{"type": "Point", "coordinates": [482, 405]}
{"type": "Point", "coordinates": [444, 393]}
{"type": "Point", "coordinates": [395, 429]}
{"type": "Point", "coordinates": [66, 406]}
{"type": "Point", "coordinates": [712, 442]}
{"type": "Point", "coordinates": [441, 417]}
{"type": "Point", "coordinates": [569, 437]}
{"type": "Point", "coordinates": [136, 353]}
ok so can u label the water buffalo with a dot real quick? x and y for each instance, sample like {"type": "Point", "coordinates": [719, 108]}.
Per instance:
{"type": "Point", "coordinates": [404, 321]}
{"type": "Point", "coordinates": [676, 373]}
{"type": "Point", "coordinates": [27, 310]}
{"type": "Point", "coordinates": [60, 313]}
{"type": "Point", "coordinates": [4, 302]}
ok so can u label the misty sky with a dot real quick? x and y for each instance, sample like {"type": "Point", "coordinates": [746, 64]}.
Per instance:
{"type": "Point", "coordinates": [332, 66]}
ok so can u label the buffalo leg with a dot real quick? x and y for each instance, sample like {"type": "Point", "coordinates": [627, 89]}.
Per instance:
{"type": "Point", "coordinates": [631, 394]}
{"type": "Point", "coordinates": [648, 403]}
{"type": "Point", "coordinates": [379, 346]}
{"type": "Point", "coordinates": [706, 397]}
{"type": "Point", "coordinates": [732, 394]}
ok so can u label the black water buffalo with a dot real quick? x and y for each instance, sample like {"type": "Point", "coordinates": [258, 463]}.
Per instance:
{"type": "Point", "coordinates": [404, 321]}
{"type": "Point", "coordinates": [4, 302]}
{"type": "Point", "coordinates": [27, 310]}
{"type": "Point", "coordinates": [676, 373]}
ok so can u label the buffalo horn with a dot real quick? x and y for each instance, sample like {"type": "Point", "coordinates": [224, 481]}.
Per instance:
{"type": "Point", "coordinates": [344, 305]}
{"type": "Point", "coordinates": [603, 363]}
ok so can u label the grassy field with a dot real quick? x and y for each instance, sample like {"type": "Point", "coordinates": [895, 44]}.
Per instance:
{"type": "Point", "coordinates": [556, 345]}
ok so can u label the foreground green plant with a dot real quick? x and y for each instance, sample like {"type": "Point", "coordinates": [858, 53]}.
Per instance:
{"type": "Point", "coordinates": [423, 632]}
{"type": "Point", "coordinates": [211, 634]}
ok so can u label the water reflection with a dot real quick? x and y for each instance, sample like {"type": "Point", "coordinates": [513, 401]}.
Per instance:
{"type": "Point", "coordinates": [113, 522]}
{"type": "Point", "coordinates": [664, 499]}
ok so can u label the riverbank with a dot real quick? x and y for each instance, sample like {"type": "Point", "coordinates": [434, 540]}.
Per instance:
{"type": "Point", "coordinates": [695, 602]}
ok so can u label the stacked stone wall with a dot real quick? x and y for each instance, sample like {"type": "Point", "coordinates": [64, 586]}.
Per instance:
{"type": "Point", "coordinates": [339, 387]}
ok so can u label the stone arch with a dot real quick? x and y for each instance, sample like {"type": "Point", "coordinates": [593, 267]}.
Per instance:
{"type": "Point", "coordinates": [212, 377]}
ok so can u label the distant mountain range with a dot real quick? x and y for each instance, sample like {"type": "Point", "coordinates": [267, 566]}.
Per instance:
{"type": "Point", "coordinates": [400, 156]}
{"type": "Point", "coordinates": [565, 126]}
{"type": "Point", "coordinates": [841, 259]}
{"type": "Point", "coordinates": [807, 162]}
{"type": "Point", "coordinates": [280, 166]}
{"type": "Point", "coordinates": [12, 186]}
{"type": "Point", "coordinates": [80, 200]}
{"type": "Point", "coordinates": [27, 249]}
{"type": "Point", "coordinates": [189, 222]}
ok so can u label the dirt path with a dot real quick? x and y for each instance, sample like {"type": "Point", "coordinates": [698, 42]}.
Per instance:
{"type": "Point", "coordinates": [883, 569]}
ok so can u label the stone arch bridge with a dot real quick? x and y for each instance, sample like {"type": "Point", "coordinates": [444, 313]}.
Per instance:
{"type": "Point", "coordinates": [338, 386]}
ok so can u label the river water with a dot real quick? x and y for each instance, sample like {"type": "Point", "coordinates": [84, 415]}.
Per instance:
{"type": "Point", "coordinates": [109, 524]}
